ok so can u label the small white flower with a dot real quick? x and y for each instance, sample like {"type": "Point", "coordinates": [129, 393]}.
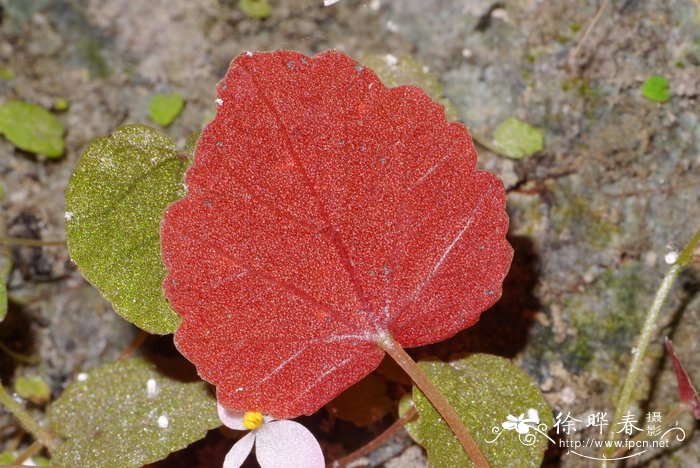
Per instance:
{"type": "Point", "coordinates": [277, 443]}
{"type": "Point", "coordinates": [520, 424]}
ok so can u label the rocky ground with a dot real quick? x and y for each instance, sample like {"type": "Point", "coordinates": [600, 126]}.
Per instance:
{"type": "Point", "coordinates": [593, 215]}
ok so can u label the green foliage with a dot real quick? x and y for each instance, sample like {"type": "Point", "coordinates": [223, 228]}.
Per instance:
{"type": "Point", "coordinates": [128, 414]}
{"type": "Point", "coordinates": [257, 9]}
{"type": "Point", "coordinates": [61, 104]}
{"type": "Point", "coordinates": [115, 201]}
{"type": "Point", "coordinates": [484, 390]}
{"type": "Point", "coordinates": [6, 73]}
{"type": "Point", "coordinates": [517, 139]}
{"type": "Point", "coordinates": [32, 128]}
{"type": "Point", "coordinates": [164, 108]}
{"type": "Point", "coordinates": [6, 458]}
{"type": "Point", "coordinates": [33, 389]}
{"type": "Point", "coordinates": [41, 461]}
{"type": "Point", "coordinates": [405, 70]}
{"type": "Point", "coordinates": [655, 88]}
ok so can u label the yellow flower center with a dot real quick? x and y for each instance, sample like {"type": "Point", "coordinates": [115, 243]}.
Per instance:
{"type": "Point", "coordinates": [252, 420]}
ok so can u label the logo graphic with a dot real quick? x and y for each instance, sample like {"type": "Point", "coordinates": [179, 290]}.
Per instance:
{"type": "Point", "coordinates": [638, 440]}
{"type": "Point", "coordinates": [522, 426]}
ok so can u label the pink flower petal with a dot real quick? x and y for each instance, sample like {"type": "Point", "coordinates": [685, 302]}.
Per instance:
{"type": "Point", "coordinates": [234, 419]}
{"type": "Point", "coordinates": [240, 451]}
{"type": "Point", "coordinates": [231, 419]}
{"type": "Point", "coordinates": [288, 444]}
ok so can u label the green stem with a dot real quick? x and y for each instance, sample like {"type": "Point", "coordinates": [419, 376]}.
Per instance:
{"type": "Point", "coordinates": [448, 413]}
{"type": "Point", "coordinates": [31, 242]}
{"type": "Point", "coordinates": [28, 453]}
{"type": "Point", "coordinates": [640, 349]}
{"type": "Point", "coordinates": [31, 360]}
{"type": "Point", "coordinates": [25, 419]}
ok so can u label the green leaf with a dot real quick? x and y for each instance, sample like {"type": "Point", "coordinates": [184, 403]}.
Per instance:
{"type": "Point", "coordinates": [128, 414]}
{"type": "Point", "coordinates": [257, 9]}
{"type": "Point", "coordinates": [115, 201]}
{"type": "Point", "coordinates": [61, 104]}
{"type": "Point", "coordinates": [33, 389]}
{"type": "Point", "coordinates": [655, 88]}
{"type": "Point", "coordinates": [6, 73]}
{"type": "Point", "coordinates": [32, 128]}
{"type": "Point", "coordinates": [41, 461]}
{"type": "Point", "coordinates": [516, 139]}
{"type": "Point", "coordinates": [6, 458]}
{"type": "Point", "coordinates": [484, 390]}
{"type": "Point", "coordinates": [164, 108]}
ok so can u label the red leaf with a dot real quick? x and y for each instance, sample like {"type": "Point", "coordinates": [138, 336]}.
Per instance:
{"type": "Point", "coordinates": [325, 211]}
{"type": "Point", "coordinates": [685, 387]}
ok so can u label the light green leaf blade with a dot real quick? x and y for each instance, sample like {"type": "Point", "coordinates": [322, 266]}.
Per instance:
{"type": "Point", "coordinates": [257, 9]}
{"type": "Point", "coordinates": [6, 458]}
{"type": "Point", "coordinates": [517, 139]}
{"type": "Point", "coordinates": [33, 389]}
{"type": "Point", "coordinates": [655, 88]}
{"type": "Point", "coordinates": [115, 201]}
{"type": "Point", "coordinates": [484, 390]}
{"type": "Point", "coordinates": [61, 104]}
{"type": "Point", "coordinates": [165, 108]}
{"type": "Point", "coordinates": [32, 128]}
{"type": "Point", "coordinates": [128, 414]}
{"type": "Point", "coordinates": [6, 73]}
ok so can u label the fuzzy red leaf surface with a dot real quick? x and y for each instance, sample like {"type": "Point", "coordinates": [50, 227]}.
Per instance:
{"type": "Point", "coordinates": [325, 212]}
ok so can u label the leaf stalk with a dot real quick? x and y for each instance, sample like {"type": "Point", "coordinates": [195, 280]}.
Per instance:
{"type": "Point", "coordinates": [25, 419]}
{"type": "Point", "coordinates": [446, 410]}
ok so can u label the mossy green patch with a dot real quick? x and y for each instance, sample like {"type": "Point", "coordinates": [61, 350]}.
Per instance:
{"type": "Point", "coordinates": [606, 319]}
{"type": "Point", "coordinates": [32, 128]}
{"type": "Point", "coordinates": [574, 217]}
{"type": "Point", "coordinates": [165, 108]}
{"type": "Point", "coordinates": [90, 52]}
